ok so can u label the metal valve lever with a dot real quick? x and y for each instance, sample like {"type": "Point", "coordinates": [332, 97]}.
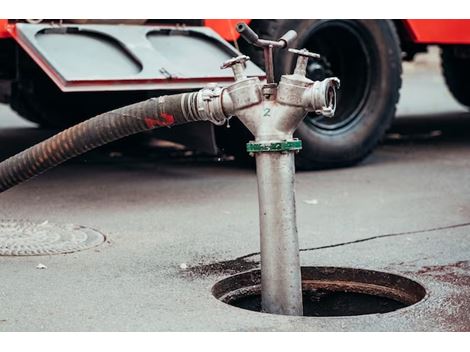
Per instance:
{"type": "Point", "coordinates": [238, 66]}
{"type": "Point", "coordinates": [303, 55]}
{"type": "Point", "coordinates": [251, 37]}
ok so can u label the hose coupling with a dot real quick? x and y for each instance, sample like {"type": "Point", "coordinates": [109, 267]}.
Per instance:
{"type": "Point", "coordinates": [209, 104]}
{"type": "Point", "coordinates": [321, 97]}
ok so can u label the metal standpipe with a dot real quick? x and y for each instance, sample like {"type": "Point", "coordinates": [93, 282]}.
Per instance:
{"type": "Point", "coordinates": [272, 112]}
{"type": "Point", "coordinates": [269, 110]}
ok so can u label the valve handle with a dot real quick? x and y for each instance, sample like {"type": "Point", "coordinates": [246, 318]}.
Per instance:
{"type": "Point", "coordinates": [288, 38]}
{"type": "Point", "coordinates": [302, 60]}
{"type": "Point", "coordinates": [235, 60]}
{"type": "Point", "coordinates": [238, 66]}
{"type": "Point", "coordinates": [304, 53]}
{"type": "Point", "coordinates": [247, 33]}
{"type": "Point", "coordinates": [251, 37]}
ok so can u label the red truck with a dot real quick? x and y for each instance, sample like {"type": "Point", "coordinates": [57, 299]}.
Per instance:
{"type": "Point", "coordinates": [59, 72]}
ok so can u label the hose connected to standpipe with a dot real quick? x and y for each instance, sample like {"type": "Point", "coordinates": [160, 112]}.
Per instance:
{"type": "Point", "coordinates": [163, 111]}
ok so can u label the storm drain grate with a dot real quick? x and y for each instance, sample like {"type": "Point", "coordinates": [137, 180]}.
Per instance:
{"type": "Point", "coordinates": [22, 237]}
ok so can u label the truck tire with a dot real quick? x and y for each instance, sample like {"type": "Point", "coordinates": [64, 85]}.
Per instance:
{"type": "Point", "coordinates": [456, 70]}
{"type": "Point", "coordinates": [366, 56]}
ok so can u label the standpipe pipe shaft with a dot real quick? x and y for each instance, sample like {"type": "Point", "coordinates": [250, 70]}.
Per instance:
{"type": "Point", "coordinates": [281, 288]}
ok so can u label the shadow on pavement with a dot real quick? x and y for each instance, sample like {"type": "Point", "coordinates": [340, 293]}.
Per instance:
{"type": "Point", "coordinates": [436, 129]}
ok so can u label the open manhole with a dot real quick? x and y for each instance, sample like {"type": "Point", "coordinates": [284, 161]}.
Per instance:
{"type": "Point", "coordinates": [22, 237]}
{"type": "Point", "coordinates": [329, 291]}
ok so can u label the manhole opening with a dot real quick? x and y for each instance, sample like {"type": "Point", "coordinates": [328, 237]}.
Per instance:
{"type": "Point", "coordinates": [329, 291]}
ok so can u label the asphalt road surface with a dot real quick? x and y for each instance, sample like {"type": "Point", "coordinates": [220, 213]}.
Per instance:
{"type": "Point", "coordinates": [174, 228]}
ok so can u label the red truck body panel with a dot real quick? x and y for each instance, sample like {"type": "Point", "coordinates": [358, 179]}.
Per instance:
{"type": "Point", "coordinates": [439, 31]}
{"type": "Point", "coordinates": [3, 29]}
{"type": "Point", "coordinates": [421, 31]}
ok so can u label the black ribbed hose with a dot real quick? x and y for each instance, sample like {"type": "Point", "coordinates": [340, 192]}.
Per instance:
{"type": "Point", "coordinates": [102, 129]}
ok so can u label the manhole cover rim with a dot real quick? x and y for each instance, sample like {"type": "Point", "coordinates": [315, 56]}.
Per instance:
{"type": "Point", "coordinates": [256, 287]}
{"type": "Point", "coordinates": [43, 238]}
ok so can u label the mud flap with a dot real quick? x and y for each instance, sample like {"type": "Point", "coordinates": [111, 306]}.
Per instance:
{"type": "Point", "coordinates": [81, 58]}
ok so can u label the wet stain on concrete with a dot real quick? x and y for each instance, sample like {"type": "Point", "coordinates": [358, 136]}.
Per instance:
{"type": "Point", "coordinates": [456, 273]}
{"type": "Point", "coordinates": [448, 287]}
{"type": "Point", "coordinates": [240, 264]}
{"type": "Point", "coordinates": [225, 267]}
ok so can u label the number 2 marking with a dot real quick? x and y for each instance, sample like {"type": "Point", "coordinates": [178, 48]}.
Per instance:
{"type": "Point", "coordinates": [267, 112]}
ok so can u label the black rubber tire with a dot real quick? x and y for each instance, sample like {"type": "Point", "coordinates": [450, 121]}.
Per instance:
{"type": "Point", "coordinates": [456, 72]}
{"type": "Point", "coordinates": [354, 141]}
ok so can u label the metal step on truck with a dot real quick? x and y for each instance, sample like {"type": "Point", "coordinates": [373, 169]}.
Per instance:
{"type": "Point", "coordinates": [58, 72]}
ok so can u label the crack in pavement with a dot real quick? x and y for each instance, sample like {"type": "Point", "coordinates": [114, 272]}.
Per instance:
{"type": "Point", "coordinates": [396, 234]}
{"type": "Point", "coordinates": [239, 263]}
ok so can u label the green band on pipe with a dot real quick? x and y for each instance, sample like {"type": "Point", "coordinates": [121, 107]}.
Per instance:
{"type": "Point", "coordinates": [280, 146]}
